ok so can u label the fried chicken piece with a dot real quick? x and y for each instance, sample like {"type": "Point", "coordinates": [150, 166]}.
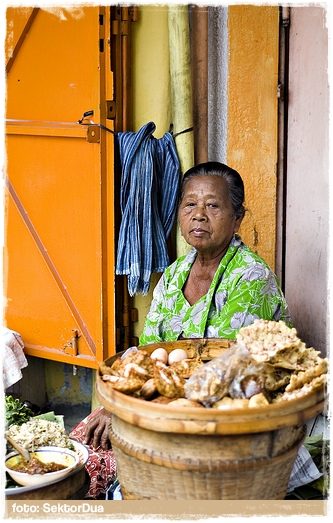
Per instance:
{"type": "Point", "coordinates": [135, 363]}
{"type": "Point", "coordinates": [125, 385]}
{"type": "Point", "coordinates": [186, 367]}
{"type": "Point", "coordinates": [106, 369]}
{"type": "Point", "coordinates": [129, 374]}
{"type": "Point", "coordinates": [141, 359]}
{"type": "Point", "coordinates": [168, 382]}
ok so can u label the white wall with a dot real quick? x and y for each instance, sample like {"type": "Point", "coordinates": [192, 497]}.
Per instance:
{"type": "Point", "coordinates": [307, 176]}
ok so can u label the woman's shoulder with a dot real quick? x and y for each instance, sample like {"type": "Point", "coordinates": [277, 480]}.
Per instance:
{"type": "Point", "coordinates": [249, 265]}
{"type": "Point", "coordinates": [248, 255]}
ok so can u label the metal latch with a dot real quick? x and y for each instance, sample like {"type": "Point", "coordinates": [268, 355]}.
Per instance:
{"type": "Point", "coordinates": [93, 134]}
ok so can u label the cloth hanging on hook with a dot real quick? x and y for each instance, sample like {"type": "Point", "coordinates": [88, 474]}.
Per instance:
{"type": "Point", "coordinates": [149, 191]}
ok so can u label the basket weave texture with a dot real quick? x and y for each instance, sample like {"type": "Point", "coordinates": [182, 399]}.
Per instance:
{"type": "Point", "coordinates": [155, 465]}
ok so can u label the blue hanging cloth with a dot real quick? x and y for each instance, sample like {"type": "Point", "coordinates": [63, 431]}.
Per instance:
{"type": "Point", "coordinates": [148, 200]}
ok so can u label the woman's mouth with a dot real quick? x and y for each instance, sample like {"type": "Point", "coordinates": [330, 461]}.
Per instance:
{"type": "Point", "coordinates": [197, 232]}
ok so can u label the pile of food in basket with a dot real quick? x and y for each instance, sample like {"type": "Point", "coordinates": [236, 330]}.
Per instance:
{"type": "Point", "coordinates": [212, 418]}
{"type": "Point", "coordinates": [268, 363]}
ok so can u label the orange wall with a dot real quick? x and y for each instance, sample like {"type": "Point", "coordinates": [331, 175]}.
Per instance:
{"type": "Point", "coordinates": [252, 118]}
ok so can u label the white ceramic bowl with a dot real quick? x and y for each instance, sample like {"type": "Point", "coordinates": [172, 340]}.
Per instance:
{"type": "Point", "coordinates": [58, 455]}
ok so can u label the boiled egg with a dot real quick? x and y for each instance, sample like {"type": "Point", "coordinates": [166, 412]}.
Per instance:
{"type": "Point", "coordinates": [160, 354]}
{"type": "Point", "coordinates": [177, 355]}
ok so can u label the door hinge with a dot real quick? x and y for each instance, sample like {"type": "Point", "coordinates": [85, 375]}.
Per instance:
{"type": "Point", "coordinates": [110, 109]}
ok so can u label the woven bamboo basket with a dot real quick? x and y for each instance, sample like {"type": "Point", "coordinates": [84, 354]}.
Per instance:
{"type": "Point", "coordinates": [166, 452]}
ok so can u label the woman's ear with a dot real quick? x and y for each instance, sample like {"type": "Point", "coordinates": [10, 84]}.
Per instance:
{"type": "Point", "coordinates": [238, 222]}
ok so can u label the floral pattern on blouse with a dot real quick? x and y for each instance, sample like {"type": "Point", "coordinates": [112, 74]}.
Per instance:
{"type": "Point", "coordinates": [243, 288]}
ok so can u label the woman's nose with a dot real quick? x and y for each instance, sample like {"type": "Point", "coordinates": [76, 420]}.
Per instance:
{"type": "Point", "coordinates": [200, 213]}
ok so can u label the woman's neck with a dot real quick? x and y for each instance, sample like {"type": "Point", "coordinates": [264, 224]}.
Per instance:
{"type": "Point", "coordinates": [207, 261]}
{"type": "Point", "coordinates": [201, 276]}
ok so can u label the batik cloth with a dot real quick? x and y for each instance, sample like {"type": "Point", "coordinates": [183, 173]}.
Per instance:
{"type": "Point", "coordinates": [101, 464]}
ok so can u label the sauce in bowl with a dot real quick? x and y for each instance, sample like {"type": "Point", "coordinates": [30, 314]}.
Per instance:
{"type": "Point", "coordinates": [36, 466]}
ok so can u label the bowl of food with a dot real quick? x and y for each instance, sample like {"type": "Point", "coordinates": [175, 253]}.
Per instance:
{"type": "Point", "coordinates": [46, 465]}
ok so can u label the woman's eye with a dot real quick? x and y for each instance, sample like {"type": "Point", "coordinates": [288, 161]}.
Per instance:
{"type": "Point", "coordinates": [212, 205]}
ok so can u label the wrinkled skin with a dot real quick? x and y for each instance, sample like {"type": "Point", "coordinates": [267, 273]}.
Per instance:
{"type": "Point", "coordinates": [207, 222]}
{"type": "Point", "coordinates": [97, 430]}
{"type": "Point", "coordinates": [206, 216]}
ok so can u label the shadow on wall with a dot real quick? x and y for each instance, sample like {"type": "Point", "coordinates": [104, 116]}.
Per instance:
{"type": "Point", "coordinates": [67, 384]}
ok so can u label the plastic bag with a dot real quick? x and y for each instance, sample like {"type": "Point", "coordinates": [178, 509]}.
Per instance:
{"type": "Point", "coordinates": [234, 374]}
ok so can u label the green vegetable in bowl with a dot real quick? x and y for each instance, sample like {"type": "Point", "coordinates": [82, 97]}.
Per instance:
{"type": "Point", "coordinates": [16, 412]}
{"type": "Point", "coordinates": [51, 416]}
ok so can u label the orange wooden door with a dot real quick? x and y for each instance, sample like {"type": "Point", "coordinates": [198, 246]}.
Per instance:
{"type": "Point", "coordinates": [59, 238]}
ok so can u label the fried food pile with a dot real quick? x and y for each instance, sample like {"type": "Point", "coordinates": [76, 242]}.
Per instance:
{"type": "Point", "coordinates": [301, 369]}
{"type": "Point", "coordinates": [267, 364]}
{"type": "Point", "coordinates": [140, 375]}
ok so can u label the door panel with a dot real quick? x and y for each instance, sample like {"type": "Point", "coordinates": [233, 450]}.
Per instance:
{"type": "Point", "coordinates": [55, 76]}
{"type": "Point", "coordinates": [59, 218]}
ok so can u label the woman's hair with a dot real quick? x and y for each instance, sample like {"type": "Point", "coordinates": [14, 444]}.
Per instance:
{"type": "Point", "coordinates": [232, 177]}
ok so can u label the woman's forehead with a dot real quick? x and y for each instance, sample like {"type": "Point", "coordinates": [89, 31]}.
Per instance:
{"type": "Point", "coordinates": [214, 185]}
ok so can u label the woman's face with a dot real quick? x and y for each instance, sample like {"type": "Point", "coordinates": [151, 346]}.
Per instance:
{"type": "Point", "coordinates": [206, 216]}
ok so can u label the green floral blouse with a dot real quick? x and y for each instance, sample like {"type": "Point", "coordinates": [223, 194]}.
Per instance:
{"type": "Point", "coordinates": [244, 288]}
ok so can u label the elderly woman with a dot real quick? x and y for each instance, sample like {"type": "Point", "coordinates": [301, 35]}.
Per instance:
{"type": "Point", "coordinates": [220, 285]}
